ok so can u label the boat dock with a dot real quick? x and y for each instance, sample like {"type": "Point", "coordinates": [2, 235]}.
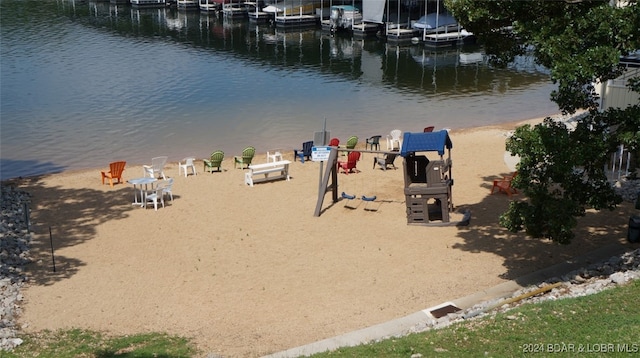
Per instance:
{"type": "Point", "coordinates": [259, 17]}
{"type": "Point", "coordinates": [234, 10]}
{"type": "Point", "coordinates": [399, 34]}
{"type": "Point", "coordinates": [296, 21]}
{"type": "Point", "coordinates": [148, 3]}
{"type": "Point", "coordinates": [446, 38]}
{"type": "Point", "coordinates": [208, 6]}
{"type": "Point", "coordinates": [310, 15]}
{"type": "Point", "coordinates": [365, 29]}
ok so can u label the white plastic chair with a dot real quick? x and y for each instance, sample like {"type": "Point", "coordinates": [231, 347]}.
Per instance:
{"type": "Point", "coordinates": [187, 163]}
{"type": "Point", "coordinates": [393, 138]}
{"type": "Point", "coordinates": [156, 167]}
{"type": "Point", "coordinates": [166, 188]}
{"type": "Point", "coordinates": [154, 196]}
{"type": "Point", "coordinates": [274, 156]}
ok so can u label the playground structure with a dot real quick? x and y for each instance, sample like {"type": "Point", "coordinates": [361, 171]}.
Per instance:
{"type": "Point", "coordinates": [424, 179]}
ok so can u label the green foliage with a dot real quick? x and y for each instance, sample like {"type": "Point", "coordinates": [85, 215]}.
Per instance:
{"type": "Point", "coordinates": [578, 41]}
{"type": "Point", "coordinates": [561, 172]}
{"type": "Point", "coordinates": [84, 343]}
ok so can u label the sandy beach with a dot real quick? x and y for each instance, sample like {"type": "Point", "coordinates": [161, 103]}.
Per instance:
{"type": "Point", "coordinates": [247, 271]}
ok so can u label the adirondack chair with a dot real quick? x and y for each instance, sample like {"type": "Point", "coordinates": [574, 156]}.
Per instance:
{"type": "Point", "coordinates": [245, 158]}
{"type": "Point", "coordinates": [303, 153]}
{"type": "Point", "coordinates": [350, 165]}
{"type": "Point", "coordinates": [334, 142]}
{"type": "Point", "coordinates": [387, 160]}
{"type": "Point", "coordinates": [504, 184]}
{"type": "Point", "coordinates": [115, 172]}
{"type": "Point", "coordinates": [215, 161]}
{"type": "Point", "coordinates": [351, 144]}
{"type": "Point", "coordinates": [428, 129]}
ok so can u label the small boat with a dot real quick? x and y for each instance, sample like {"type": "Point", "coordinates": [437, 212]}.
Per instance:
{"type": "Point", "coordinates": [441, 29]}
{"type": "Point", "coordinates": [435, 22]}
{"type": "Point", "coordinates": [344, 17]}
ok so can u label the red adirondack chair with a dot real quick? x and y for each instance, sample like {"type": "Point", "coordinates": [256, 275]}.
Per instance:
{"type": "Point", "coordinates": [504, 184]}
{"type": "Point", "coordinates": [350, 165]}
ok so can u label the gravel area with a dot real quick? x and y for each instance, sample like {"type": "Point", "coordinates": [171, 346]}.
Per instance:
{"type": "Point", "coordinates": [14, 255]}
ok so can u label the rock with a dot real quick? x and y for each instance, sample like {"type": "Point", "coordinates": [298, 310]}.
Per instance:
{"type": "Point", "coordinates": [585, 281]}
{"type": "Point", "coordinates": [14, 248]}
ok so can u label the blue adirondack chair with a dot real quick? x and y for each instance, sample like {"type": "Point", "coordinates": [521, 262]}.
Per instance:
{"type": "Point", "coordinates": [303, 153]}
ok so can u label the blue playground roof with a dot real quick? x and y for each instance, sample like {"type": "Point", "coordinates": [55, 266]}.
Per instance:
{"type": "Point", "coordinates": [425, 142]}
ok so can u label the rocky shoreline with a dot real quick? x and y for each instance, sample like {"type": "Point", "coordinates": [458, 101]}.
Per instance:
{"type": "Point", "coordinates": [14, 255]}
{"type": "Point", "coordinates": [15, 238]}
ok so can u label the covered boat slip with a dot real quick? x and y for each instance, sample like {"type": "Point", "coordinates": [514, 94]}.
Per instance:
{"type": "Point", "coordinates": [395, 20]}
{"type": "Point", "coordinates": [435, 26]}
{"type": "Point", "coordinates": [288, 14]}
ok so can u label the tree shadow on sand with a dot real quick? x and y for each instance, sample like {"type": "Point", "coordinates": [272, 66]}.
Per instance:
{"type": "Point", "coordinates": [83, 210]}
{"type": "Point", "coordinates": [522, 254]}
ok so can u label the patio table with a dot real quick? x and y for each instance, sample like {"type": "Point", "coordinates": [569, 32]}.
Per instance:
{"type": "Point", "coordinates": [140, 181]}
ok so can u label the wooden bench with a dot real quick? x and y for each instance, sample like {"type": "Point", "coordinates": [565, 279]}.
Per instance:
{"type": "Point", "coordinates": [281, 167]}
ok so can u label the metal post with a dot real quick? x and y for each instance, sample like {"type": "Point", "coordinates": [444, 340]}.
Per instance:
{"type": "Point", "coordinates": [53, 259]}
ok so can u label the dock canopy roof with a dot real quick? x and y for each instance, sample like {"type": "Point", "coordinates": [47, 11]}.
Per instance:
{"type": "Point", "coordinates": [425, 142]}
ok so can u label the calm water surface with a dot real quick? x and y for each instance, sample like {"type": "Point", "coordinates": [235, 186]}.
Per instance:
{"type": "Point", "coordinates": [86, 83]}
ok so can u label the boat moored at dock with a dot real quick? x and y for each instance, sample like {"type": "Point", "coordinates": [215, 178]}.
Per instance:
{"type": "Point", "coordinates": [342, 17]}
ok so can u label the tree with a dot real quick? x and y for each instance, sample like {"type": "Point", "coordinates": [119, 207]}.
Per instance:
{"type": "Point", "coordinates": [561, 171]}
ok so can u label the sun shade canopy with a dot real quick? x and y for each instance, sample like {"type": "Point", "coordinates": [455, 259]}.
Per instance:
{"type": "Point", "coordinates": [425, 142]}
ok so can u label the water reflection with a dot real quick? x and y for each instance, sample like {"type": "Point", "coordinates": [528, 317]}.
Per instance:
{"type": "Point", "coordinates": [456, 70]}
{"type": "Point", "coordinates": [78, 77]}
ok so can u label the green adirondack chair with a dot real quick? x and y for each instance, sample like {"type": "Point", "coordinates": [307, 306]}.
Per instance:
{"type": "Point", "coordinates": [214, 162]}
{"type": "Point", "coordinates": [351, 144]}
{"type": "Point", "coordinates": [245, 158]}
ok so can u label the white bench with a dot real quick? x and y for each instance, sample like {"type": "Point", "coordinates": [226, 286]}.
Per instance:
{"type": "Point", "coordinates": [281, 167]}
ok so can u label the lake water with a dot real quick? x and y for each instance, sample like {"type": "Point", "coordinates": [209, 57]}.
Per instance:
{"type": "Point", "coordinates": [86, 83]}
